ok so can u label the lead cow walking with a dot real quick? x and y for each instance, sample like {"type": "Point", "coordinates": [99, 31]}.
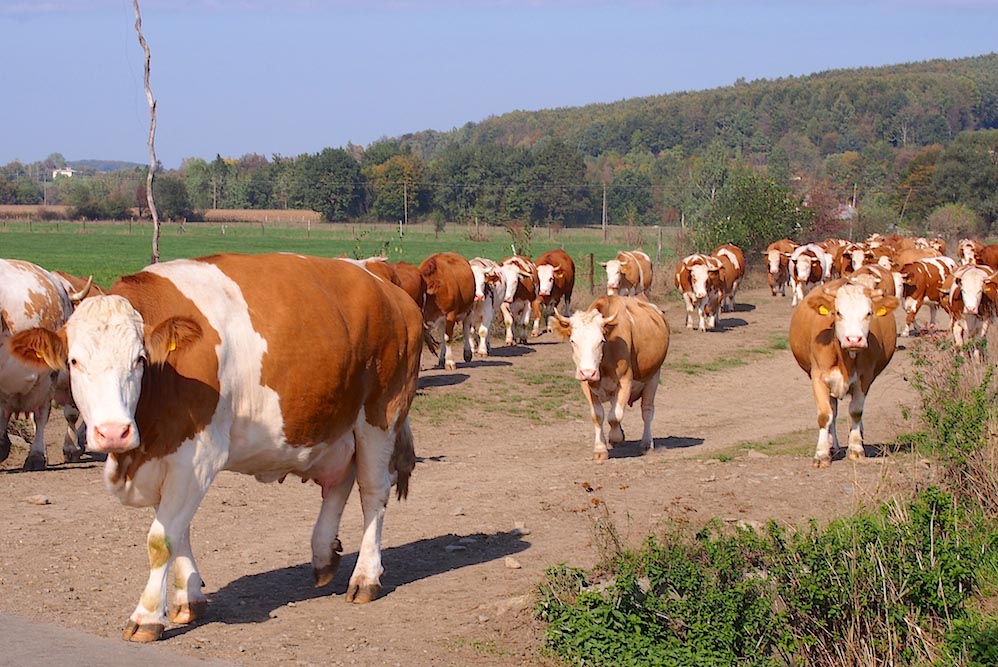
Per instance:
{"type": "Point", "coordinates": [267, 365]}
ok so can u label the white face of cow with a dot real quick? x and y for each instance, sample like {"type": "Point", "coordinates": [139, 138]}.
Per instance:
{"type": "Point", "coordinates": [511, 276]}
{"type": "Point", "coordinates": [857, 257]}
{"type": "Point", "coordinates": [107, 357]}
{"type": "Point", "coordinates": [698, 279]}
{"type": "Point", "coordinates": [545, 279]}
{"type": "Point", "coordinates": [972, 289]}
{"type": "Point", "coordinates": [588, 334]}
{"type": "Point", "coordinates": [773, 260]}
{"type": "Point", "coordinates": [613, 274]}
{"type": "Point", "coordinates": [967, 254]}
{"type": "Point", "coordinates": [802, 267]}
{"type": "Point", "coordinates": [479, 272]}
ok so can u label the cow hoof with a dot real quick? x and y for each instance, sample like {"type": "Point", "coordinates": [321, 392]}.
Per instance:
{"type": "Point", "coordinates": [72, 456]}
{"type": "Point", "coordinates": [855, 456]}
{"type": "Point", "coordinates": [324, 575]}
{"type": "Point", "coordinates": [601, 456]}
{"type": "Point", "coordinates": [821, 463]}
{"type": "Point", "coordinates": [450, 366]}
{"type": "Point", "coordinates": [188, 613]}
{"type": "Point", "coordinates": [34, 462]}
{"type": "Point", "coordinates": [145, 633]}
{"type": "Point", "coordinates": [362, 594]}
{"type": "Point", "coordinates": [467, 356]}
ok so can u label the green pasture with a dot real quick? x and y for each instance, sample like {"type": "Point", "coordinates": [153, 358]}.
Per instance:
{"type": "Point", "coordinates": [109, 250]}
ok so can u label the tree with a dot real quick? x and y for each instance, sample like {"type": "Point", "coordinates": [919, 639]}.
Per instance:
{"type": "Point", "coordinates": [967, 173]}
{"type": "Point", "coordinates": [394, 186]}
{"type": "Point", "coordinates": [561, 194]}
{"type": "Point", "coordinates": [954, 221]}
{"type": "Point", "coordinates": [330, 182]}
{"type": "Point", "coordinates": [172, 197]}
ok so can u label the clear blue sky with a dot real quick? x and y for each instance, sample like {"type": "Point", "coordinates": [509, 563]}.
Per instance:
{"type": "Point", "coordinates": [244, 76]}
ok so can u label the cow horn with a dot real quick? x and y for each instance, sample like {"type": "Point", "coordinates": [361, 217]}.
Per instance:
{"type": "Point", "coordinates": [77, 296]}
{"type": "Point", "coordinates": [561, 318]}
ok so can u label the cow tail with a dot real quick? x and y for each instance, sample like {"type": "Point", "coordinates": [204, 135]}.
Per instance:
{"type": "Point", "coordinates": [431, 342]}
{"type": "Point", "coordinates": [403, 460]}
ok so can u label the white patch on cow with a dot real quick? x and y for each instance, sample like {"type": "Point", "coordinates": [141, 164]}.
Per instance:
{"type": "Point", "coordinates": [910, 304]}
{"type": "Point", "coordinates": [587, 340]}
{"type": "Point", "coordinates": [545, 279]}
{"type": "Point", "coordinates": [773, 260]}
{"type": "Point", "coordinates": [731, 256]}
{"type": "Point", "coordinates": [972, 288]}
{"type": "Point", "coordinates": [857, 258]}
{"type": "Point", "coordinates": [698, 280]}
{"type": "Point", "coordinates": [479, 271]}
{"type": "Point", "coordinates": [612, 276]}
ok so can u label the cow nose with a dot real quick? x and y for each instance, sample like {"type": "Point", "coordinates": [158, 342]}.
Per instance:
{"type": "Point", "coordinates": [545, 292]}
{"type": "Point", "coordinates": [700, 295]}
{"type": "Point", "coordinates": [587, 374]}
{"type": "Point", "coordinates": [508, 299]}
{"type": "Point", "coordinates": [855, 341]}
{"type": "Point", "coordinates": [112, 437]}
{"type": "Point", "coordinates": [479, 297]}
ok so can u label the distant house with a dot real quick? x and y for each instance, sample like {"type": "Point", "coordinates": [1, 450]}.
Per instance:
{"type": "Point", "coordinates": [65, 171]}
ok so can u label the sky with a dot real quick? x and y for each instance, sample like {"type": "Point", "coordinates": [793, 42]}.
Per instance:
{"type": "Point", "coordinates": [233, 77]}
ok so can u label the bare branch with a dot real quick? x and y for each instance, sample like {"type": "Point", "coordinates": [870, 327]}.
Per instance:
{"type": "Point", "coordinates": [152, 136]}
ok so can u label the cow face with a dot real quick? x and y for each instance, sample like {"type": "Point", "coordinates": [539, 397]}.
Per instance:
{"type": "Point", "coordinates": [512, 274]}
{"type": "Point", "coordinates": [699, 279]}
{"type": "Point", "coordinates": [613, 272]}
{"type": "Point", "coordinates": [853, 308]}
{"type": "Point", "coordinates": [587, 330]}
{"type": "Point", "coordinates": [481, 278]}
{"type": "Point", "coordinates": [969, 287]}
{"type": "Point", "coordinates": [856, 257]}
{"type": "Point", "coordinates": [773, 258]}
{"type": "Point", "coordinates": [106, 348]}
{"type": "Point", "coordinates": [546, 275]}
{"type": "Point", "coordinates": [802, 266]}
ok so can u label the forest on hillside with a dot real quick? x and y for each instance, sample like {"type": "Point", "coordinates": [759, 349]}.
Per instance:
{"type": "Point", "coordinates": [844, 152]}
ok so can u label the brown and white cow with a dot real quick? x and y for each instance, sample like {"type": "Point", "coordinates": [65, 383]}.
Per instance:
{"type": "Point", "coordinates": [921, 283]}
{"type": "Point", "coordinates": [810, 265]}
{"type": "Point", "coordinates": [875, 277]}
{"type": "Point", "coordinates": [629, 273]}
{"type": "Point", "coordinates": [32, 297]}
{"type": "Point", "coordinates": [777, 256]}
{"type": "Point", "coordinates": [698, 278]}
{"type": "Point", "coordinates": [555, 282]}
{"type": "Point", "coordinates": [989, 256]}
{"type": "Point", "coordinates": [968, 251]}
{"type": "Point", "coordinates": [618, 346]}
{"type": "Point", "coordinates": [732, 271]}
{"type": "Point", "coordinates": [520, 275]}
{"type": "Point", "coordinates": [450, 295]}
{"type": "Point", "coordinates": [968, 295]}
{"type": "Point", "coordinates": [851, 257]}
{"type": "Point", "coordinates": [268, 365]}
{"type": "Point", "coordinates": [842, 335]}
{"type": "Point", "coordinates": [490, 289]}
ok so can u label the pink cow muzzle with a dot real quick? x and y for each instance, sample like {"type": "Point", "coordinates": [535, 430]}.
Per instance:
{"type": "Point", "coordinates": [111, 438]}
{"type": "Point", "coordinates": [855, 343]}
{"type": "Point", "coordinates": [587, 374]}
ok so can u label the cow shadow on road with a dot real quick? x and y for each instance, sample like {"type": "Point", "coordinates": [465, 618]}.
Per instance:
{"type": "Point", "coordinates": [442, 380]}
{"type": "Point", "coordinates": [744, 307]}
{"type": "Point", "coordinates": [632, 448]}
{"type": "Point", "coordinates": [512, 351]}
{"type": "Point", "coordinates": [254, 598]}
{"type": "Point", "coordinates": [724, 323]}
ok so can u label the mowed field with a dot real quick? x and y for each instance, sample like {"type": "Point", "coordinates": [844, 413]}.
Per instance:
{"type": "Point", "coordinates": [504, 488]}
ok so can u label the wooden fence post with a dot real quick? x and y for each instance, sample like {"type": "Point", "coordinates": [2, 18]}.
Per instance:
{"type": "Point", "coordinates": [592, 275]}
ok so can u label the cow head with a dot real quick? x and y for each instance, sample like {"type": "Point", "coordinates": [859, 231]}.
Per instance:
{"type": "Point", "coordinates": [773, 258]}
{"type": "Point", "coordinates": [484, 276]}
{"type": "Point", "coordinates": [803, 264]}
{"type": "Point", "coordinates": [587, 331]}
{"type": "Point", "coordinates": [546, 276]}
{"type": "Point", "coordinates": [701, 277]}
{"type": "Point", "coordinates": [106, 348]}
{"type": "Point", "coordinates": [969, 286]}
{"type": "Point", "coordinates": [852, 307]}
{"type": "Point", "coordinates": [512, 274]}
{"type": "Point", "coordinates": [857, 255]}
{"type": "Point", "coordinates": [613, 272]}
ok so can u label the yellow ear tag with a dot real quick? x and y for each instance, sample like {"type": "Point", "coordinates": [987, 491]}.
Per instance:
{"type": "Point", "coordinates": [881, 311]}
{"type": "Point", "coordinates": [173, 346]}
{"type": "Point", "coordinates": [823, 310]}
{"type": "Point", "coordinates": [39, 356]}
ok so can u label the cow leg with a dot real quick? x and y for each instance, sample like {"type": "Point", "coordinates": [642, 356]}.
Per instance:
{"type": "Point", "coordinates": [911, 308]}
{"type": "Point", "coordinates": [72, 444]}
{"type": "Point", "coordinates": [856, 405]}
{"type": "Point", "coordinates": [600, 452]}
{"type": "Point", "coordinates": [616, 415]}
{"type": "Point", "coordinates": [688, 300]}
{"type": "Point", "coordinates": [483, 339]}
{"type": "Point", "coordinates": [374, 450]}
{"type": "Point", "coordinates": [567, 312]}
{"type": "Point", "coordinates": [648, 410]}
{"type": "Point", "coordinates": [189, 603]}
{"type": "Point", "coordinates": [798, 290]}
{"type": "Point", "coordinates": [4, 436]}
{"type": "Point", "coordinates": [446, 356]}
{"type": "Point", "coordinates": [827, 406]}
{"type": "Point", "coordinates": [536, 310]}
{"type": "Point", "coordinates": [36, 455]}
{"type": "Point", "coordinates": [182, 492]}
{"type": "Point", "coordinates": [524, 324]}
{"type": "Point", "coordinates": [466, 331]}
{"type": "Point", "coordinates": [507, 318]}
{"type": "Point", "coordinates": [932, 316]}
{"type": "Point", "coordinates": [326, 546]}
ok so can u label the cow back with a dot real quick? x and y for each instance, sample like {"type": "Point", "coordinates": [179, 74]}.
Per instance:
{"type": "Point", "coordinates": [411, 281]}
{"type": "Point", "coordinates": [989, 256]}
{"type": "Point", "coordinates": [638, 342]}
{"type": "Point", "coordinates": [450, 285]}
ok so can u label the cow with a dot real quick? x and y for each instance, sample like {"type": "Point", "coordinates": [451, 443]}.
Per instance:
{"type": "Point", "coordinates": [698, 278]}
{"type": "Point", "coordinates": [450, 295]}
{"type": "Point", "coordinates": [777, 256]}
{"type": "Point", "coordinates": [32, 297]}
{"type": "Point", "coordinates": [555, 282]}
{"type": "Point", "coordinates": [411, 281]}
{"type": "Point", "coordinates": [968, 295]}
{"type": "Point", "coordinates": [628, 274]}
{"type": "Point", "coordinates": [875, 277]}
{"type": "Point", "coordinates": [618, 346]}
{"type": "Point", "coordinates": [850, 258]}
{"type": "Point", "coordinates": [732, 261]}
{"type": "Point", "coordinates": [517, 308]}
{"type": "Point", "coordinates": [921, 283]}
{"type": "Point", "coordinates": [842, 336]}
{"type": "Point", "coordinates": [969, 251]}
{"type": "Point", "coordinates": [490, 289]}
{"type": "Point", "coordinates": [810, 265]}
{"type": "Point", "coordinates": [989, 256]}
{"type": "Point", "coordinates": [268, 365]}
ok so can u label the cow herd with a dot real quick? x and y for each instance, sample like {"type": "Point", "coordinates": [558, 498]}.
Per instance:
{"type": "Point", "coordinates": [282, 364]}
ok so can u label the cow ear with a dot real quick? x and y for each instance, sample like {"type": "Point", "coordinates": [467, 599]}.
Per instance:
{"type": "Point", "coordinates": [609, 323]}
{"type": "Point", "coordinates": [563, 325]}
{"type": "Point", "coordinates": [603, 264]}
{"type": "Point", "coordinates": [884, 304]}
{"type": "Point", "coordinates": [559, 273]}
{"type": "Point", "coordinates": [822, 303]}
{"type": "Point", "coordinates": [173, 334]}
{"type": "Point", "coordinates": [40, 348]}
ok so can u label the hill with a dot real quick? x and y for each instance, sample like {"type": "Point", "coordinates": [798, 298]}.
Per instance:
{"type": "Point", "coordinates": [103, 165]}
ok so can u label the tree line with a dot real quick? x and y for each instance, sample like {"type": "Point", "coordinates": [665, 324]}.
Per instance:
{"type": "Point", "coordinates": [909, 147]}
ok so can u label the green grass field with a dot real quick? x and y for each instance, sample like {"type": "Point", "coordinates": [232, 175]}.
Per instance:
{"type": "Point", "coordinates": [109, 250]}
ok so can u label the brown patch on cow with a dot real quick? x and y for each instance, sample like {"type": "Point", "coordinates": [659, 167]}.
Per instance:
{"type": "Point", "coordinates": [337, 338]}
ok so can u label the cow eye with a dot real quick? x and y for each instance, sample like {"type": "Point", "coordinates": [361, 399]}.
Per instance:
{"type": "Point", "coordinates": [139, 361]}
{"type": "Point", "coordinates": [74, 363]}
